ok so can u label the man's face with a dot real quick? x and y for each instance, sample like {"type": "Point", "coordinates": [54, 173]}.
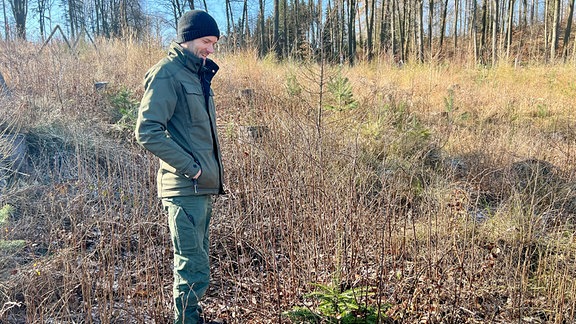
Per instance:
{"type": "Point", "coordinates": [201, 47]}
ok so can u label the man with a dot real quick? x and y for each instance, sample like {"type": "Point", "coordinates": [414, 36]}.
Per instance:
{"type": "Point", "coordinates": [177, 123]}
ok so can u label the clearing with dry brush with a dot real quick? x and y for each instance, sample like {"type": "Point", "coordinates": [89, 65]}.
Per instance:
{"type": "Point", "coordinates": [434, 193]}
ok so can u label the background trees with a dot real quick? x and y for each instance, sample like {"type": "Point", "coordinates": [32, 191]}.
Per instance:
{"type": "Point", "coordinates": [484, 31]}
{"type": "Point", "coordinates": [19, 12]}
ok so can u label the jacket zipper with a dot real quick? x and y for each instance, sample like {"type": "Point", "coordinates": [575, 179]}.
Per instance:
{"type": "Point", "coordinates": [206, 93]}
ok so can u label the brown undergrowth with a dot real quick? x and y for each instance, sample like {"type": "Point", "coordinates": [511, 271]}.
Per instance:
{"type": "Point", "coordinates": [448, 191]}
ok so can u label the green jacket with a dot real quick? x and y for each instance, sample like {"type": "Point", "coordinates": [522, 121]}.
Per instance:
{"type": "Point", "coordinates": [177, 123]}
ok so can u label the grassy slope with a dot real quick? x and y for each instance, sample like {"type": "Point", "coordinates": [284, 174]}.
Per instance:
{"type": "Point", "coordinates": [448, 190]}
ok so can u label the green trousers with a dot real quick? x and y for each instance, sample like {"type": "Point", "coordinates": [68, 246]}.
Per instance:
{"type": "Point", "coordinates": [189, 218]}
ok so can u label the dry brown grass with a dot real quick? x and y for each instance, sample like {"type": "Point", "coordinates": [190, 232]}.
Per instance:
{"type": "Point", "coordinates": [448, 190]}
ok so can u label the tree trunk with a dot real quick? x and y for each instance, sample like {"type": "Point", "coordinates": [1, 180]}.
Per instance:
{"type": "Point", "coordinates": [285, 33]}
{"type": "Point", "coordinates": [524, 19]}
{"type": "Point", "coordinates": [495, 15]}
{"type": "Point", "coordinates": [430, 24]}
{"type": "Point", "coordinates": [97, 18]}
{"type": "Point", "coordinates": [124, 25]}
{"type": "Point", "coordinates": [319, 13]}
{"type": "Point", "coordinates": [532, 11]}
{"type": "Point", "coordinates": [276, 35]}
{"type": "Point", "coordinates": [384, 17]}
{"type": "Point", "coordinates": [456, 21]}
{"type": "Point", "coordinates": [473, 31]}
{"type": "Point", "coordinates": [296, 40]}
{"type": "Point", "coordinates": [243, 32]}
{"type": "Point", "coordinates": [555, 30]}
{"type": "Point", "coordinates": [228, 21]}
{"type": "Point", "coordinates": [245, 21]}
{"type": "Point", "coordinates": [509, 27]}
{"type": "Point", "coordinates": [42, 6]}
{"type": "Point", "coordinates": [20, 11]}
{"type": "Point", "coordinates": [574, 51]}
{"type": "Point", "coordinates": [546, 29]}
{"type": "Point", "coordinates": [262, 36]}
{"type": "Point", "coordinates": [420, 15]}
{"type": "Point", "coordinates": [101, 14]}
{"type": "Point", "coordinates": [351, 31]}
{"type": "Point", "coordinates": [393, 28]}
{"type": "Point", "coordinates": [568, 30]}
{"type": "Point", "coordinates": [72, 18]}
{"type": "Point", "coordinates": [233, 24]}
{"type": "Point", "coordinates": [331, 32]}
{"type": "Point", "coordinates": [405, 32]}
{"type": "Point", "coordinates": [370, 28]}
{"type": "Point", "coordinates": [359, 25]}
{"type": "Point", "coordinates": [443, 23]}
{"type": "Point", "coordinates": [485, 27]}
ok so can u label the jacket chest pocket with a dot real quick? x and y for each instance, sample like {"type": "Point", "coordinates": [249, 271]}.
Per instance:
{"type": "Point", "coordinates": [196, 102]}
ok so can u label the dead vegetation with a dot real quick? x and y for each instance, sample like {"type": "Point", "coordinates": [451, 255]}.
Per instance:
{"type": "Point", "coordinates": [447, 192]}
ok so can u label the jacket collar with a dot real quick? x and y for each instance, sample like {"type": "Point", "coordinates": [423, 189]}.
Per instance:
{"type": "Point", "coordinates": [193, 62]}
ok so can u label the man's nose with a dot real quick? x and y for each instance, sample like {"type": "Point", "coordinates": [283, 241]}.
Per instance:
{"type": "Point", "coordinates": [210, 48]}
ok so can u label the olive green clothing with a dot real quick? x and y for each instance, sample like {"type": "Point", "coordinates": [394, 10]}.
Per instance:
{"type": "Point", "coordinates": [177, 123]}
{"type": "Point", "coordinates": [188, 219]}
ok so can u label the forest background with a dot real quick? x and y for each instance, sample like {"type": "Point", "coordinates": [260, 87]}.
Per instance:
{"type": "Point", "coordinates": [337, 30]}
{"type": "Point", "coordinates": [386, 161]}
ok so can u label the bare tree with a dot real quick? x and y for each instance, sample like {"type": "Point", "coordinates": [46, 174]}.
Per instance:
{"type": "Point", "coordinates": [546, 28]}
{"type": "Point", "coordinates": [42, 9]}
{"type": "Point", "coordinates": [409, 29]}
{"type": "Point", "coordinates": [430, 24]}
{"type": "Point", "coordinates": [555, 29]}
{"type": "Point", "coordinates": [74, 16]}
{"type": "Point", "coordinates": [370, 15]}
{"type": "Point", "coordinates": [524, 14]}
{"type": "Point", "coordinates": [495, 27]}
{"type": "Point", "coordinates": [509, 27]}
{"type": "Point", "coordinates": [473, 30]}
{"type": "Point", "coordinates": [317, 14]}
{"type": "Point", "coordinates": [385, 23]}
{"type": "Point", "coordinates": [351, 31]}
{"type": "Point", "coordinates": [20, 12]}
{"type": "Point", "coordinates": [456, 23]}
{"type": "Point", "coordinates": [485, 29]}
{"type": "Point", "coordinates": [293, 26]}
{"type": "Point", "coordinates": [341, 14]}
{"type": "Point", "coordinates": [245, 25]}
{"type": "Point", "coordinates": [420, 32]}
{"type": "Point", "coordinates": [262, 30]}
{"type": "Point", "coordinates": [406, 29]}
{"type": "Point", "coordinates": [393, 36]}
{"type": "Point", "coordinates": [334, 31]}
{"type": "Point", "coordinates": [444, 19]}
{"type": "Point", "coordinates": [568, 29]}
{"type": "Point", "coordinates": [276, 39]}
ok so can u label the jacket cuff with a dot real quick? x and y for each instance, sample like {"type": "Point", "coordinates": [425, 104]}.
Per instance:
{"type": "Point", "coordinates": [191, 169]}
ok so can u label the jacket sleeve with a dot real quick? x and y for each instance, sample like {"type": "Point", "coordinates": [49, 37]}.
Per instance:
{"type": "Point", "coordinates": [156, 108]}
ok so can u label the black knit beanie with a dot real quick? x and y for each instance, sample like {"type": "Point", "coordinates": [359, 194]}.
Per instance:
{"type": "Point", "coordinates": [195, 24]}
